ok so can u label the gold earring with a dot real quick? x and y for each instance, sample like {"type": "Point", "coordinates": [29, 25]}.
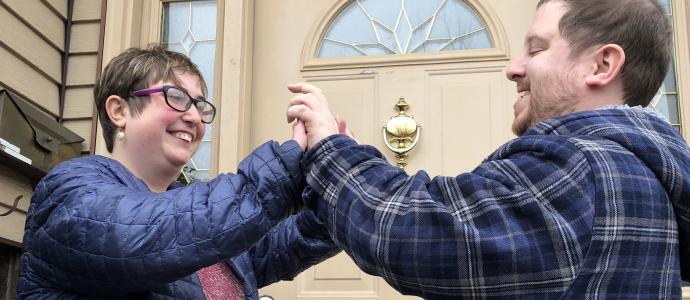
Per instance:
{"type": "Point", "coordinates": [120, 135]}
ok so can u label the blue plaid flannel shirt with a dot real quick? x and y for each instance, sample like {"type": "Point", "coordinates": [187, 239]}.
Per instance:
{"type": "Point", "coordinates": [588, 205]}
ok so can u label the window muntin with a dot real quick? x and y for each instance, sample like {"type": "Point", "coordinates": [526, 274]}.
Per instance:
{"type": "Point", "coordinates": [383, 27]}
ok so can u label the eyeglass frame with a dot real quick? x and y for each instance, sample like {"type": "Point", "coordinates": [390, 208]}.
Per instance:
{"type": "Point", "coordinates": [164, 89]}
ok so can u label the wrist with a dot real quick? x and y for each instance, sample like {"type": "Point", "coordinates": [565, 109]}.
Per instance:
{"type": "Point", "coordinates": [322, 148]}
{"type": "Point", "coordinates": [320, 136]}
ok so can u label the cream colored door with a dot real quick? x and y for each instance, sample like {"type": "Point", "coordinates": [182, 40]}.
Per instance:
{"type": "Point", "coordinates": [463, 104]}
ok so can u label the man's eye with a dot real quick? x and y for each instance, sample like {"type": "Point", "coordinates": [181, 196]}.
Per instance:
{"type": "Point", "coordinates": [535, 51]}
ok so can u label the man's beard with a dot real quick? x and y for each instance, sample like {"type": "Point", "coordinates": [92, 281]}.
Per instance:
{"type": "Point", "coordinates": [521, 125]}
{"type": "Point", "coordinates": [542, 107]}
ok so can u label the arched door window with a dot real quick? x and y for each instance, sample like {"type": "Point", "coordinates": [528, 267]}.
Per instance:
{"type": "Point", "coordinates": [666, 100]}
{"type": "Point", "coordinates": [189, 27]}
{"type": "Point", "coordinates": [382, 27]}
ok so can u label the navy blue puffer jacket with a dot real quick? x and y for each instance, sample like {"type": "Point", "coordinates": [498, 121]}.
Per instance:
{"type": "Point", "coordinates": [94, 230]}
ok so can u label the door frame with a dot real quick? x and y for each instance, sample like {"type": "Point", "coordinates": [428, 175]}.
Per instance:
{"type": "Point", "coordinates": [681, 38]}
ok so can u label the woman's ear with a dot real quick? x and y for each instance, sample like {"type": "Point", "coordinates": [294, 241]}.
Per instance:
{"type": "Point", "coordinates": [118, 110]}
{"type": "Point", "coordinates": [608, 65]}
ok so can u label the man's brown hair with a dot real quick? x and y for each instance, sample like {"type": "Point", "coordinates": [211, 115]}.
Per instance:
{"type": "Point", "coordinates": [640, 27]}
{"type": "Point", "coordinates": [136, 69]}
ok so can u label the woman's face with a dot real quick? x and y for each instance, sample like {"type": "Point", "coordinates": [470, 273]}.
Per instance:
{"type": "Point", "coordinates": [161, 137]}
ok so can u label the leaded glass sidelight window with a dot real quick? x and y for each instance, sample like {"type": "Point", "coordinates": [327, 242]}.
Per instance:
{"type": "Point", "coordinates": [382, 27]}
{"type": "Point", "coordinates": [189, 27]}
{"type": "Point", "coordinates": [666, 100]}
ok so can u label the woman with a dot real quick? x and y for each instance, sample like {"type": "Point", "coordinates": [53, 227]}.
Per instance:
{"type": "Point", "coordinates": [120, 227]}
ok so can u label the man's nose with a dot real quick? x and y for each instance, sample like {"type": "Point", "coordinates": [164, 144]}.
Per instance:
{"type": "Point", "coordinates": [516, 69]}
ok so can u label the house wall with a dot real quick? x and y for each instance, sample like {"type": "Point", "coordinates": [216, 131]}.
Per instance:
{"type": "Point", "coordinates": [32, 46]}
{"type": "Point", "coordinates": [32, 50]}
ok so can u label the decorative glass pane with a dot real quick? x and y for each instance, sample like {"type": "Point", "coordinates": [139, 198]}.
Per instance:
{"type": "Point", "coordinates": [203, 157]}
{"type": "Point", "coordinates": [203, 55]}
{"type": "Point", "coordinates": [384, 12]}
{"type": "Point", "coordinates": [387, 37]}
{"type": "Point", "coordinates": [359, 30]}
{"type": "Point", "coordinates": [189, 27]}
{"type": "Point", "coordinates": [455, 20]}
{"type": "Point", "coordinates": [188, 42]}
{"type": "Point", "coordinates": [667, 105]}
{"type": "Point", "coordinates": [339, 49]}
{"type": "Point", "coordinates": [207, 134]}
{"type": "Point", "coordinates": [403, 32]}
{"type": "Point", "coordinates": [419, 36]}
{"type": "Point", "coordinates": [177, 47]}
{"type": "Point", "coordinates": [670, 80]}
{"type": "Point", "coordinates": [204, 21]}
{"type": "Point", "coordinates": [381, 27]}
{"type": "Point", "coordinates": [666, 101]}
{"type": "Point", "coordinates": [176, 22]}
{"type": "Point", "coordinates": [422, 11]}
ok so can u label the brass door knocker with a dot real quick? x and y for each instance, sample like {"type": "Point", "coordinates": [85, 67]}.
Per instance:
{"type": "Point", "coordinates": [401, 133]}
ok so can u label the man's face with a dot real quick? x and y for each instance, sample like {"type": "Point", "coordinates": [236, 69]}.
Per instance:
{"type": "Point", "coordinates": [548, 80]}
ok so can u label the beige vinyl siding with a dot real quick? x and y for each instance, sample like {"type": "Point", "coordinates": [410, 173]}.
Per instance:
{"type": "Point", "coordinates": [29, 63]}
{"type": "Point", "coordinates": [9, 229]}
{"type": "Point", "coordinates": [32, 48]}
{"type": "Point", "coordinates": [85, 38]}
{"type": "Point", "coordinates": [79, 103]}
{"type": "Point", "coordinates": [17, 75]}
{"type": "Point", "coordinates": [86, 10]}
{"type": "Point", "coordinates": [83, 129]}
{"type": "Point", "coordinates": [42, 18]}
{"type": "Point", "coordinates": [35, 51]}
{"type": "Point", "coordinates": [60, 6]}
{"type": "Point", "coordinates": [81, 70]}
{"type": "Point", "coordinates": [11, 186]}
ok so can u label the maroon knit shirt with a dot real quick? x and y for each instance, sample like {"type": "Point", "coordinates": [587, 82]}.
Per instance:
{"type": "Point", "coordinates": [220, 283]}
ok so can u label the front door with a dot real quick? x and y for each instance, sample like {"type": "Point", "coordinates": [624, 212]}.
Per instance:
{"type": "Point", "coordinates": [461, 98]}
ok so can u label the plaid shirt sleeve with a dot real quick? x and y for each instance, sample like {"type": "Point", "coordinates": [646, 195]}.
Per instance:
{"type": "Point", "coordinates": [519, 224]}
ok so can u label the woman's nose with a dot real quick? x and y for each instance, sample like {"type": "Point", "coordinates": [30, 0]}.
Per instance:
{"type": "Point", "coordinates": [192, 115]}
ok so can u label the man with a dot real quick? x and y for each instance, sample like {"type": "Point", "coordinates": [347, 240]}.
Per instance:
{"type": "Point", "coordinates": [590, 201]}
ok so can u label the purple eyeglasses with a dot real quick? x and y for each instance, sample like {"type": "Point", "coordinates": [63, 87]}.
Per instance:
{"type": "Point", "coordinates": [178, 99]}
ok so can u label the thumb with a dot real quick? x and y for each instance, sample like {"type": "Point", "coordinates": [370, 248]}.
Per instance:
{"type": "Point", "coordinates": [342, 128]}
{"type": "Point", "coordinates": [351, 134]}
{"type": "Point", "coordinates": [342, 125]}
{"type": "Point", "coordinates": [299, 134]}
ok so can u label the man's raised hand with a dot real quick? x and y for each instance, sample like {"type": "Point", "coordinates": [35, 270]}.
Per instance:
{"type": "Point", "coordinates": [311, 107]}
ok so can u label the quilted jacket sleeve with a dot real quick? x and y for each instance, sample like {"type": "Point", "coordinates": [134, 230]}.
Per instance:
{"type": "Point", "coordinates": [90, 232]}
{"type": "Point", "coordinates": [523, 221]}
{"type": "Point", "coordinates": [294, 245]}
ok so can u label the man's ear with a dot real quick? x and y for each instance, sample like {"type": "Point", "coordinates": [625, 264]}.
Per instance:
{"type": "Point", "coordinates": [118, 110]}
{"type": "Point", "coordinates": [608, 64]}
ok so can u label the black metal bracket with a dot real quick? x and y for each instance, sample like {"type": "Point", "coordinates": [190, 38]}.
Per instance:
{"type": "Point", "coordinates": [13, 208]}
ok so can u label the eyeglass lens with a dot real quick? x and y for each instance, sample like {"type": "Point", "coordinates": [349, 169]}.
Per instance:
{"type": "Point", "coordinates": [181, 101]}
{"type": "Point", "coordinates": [206, 111]}
{"type": "Point", "coordinates": [178, 99]}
